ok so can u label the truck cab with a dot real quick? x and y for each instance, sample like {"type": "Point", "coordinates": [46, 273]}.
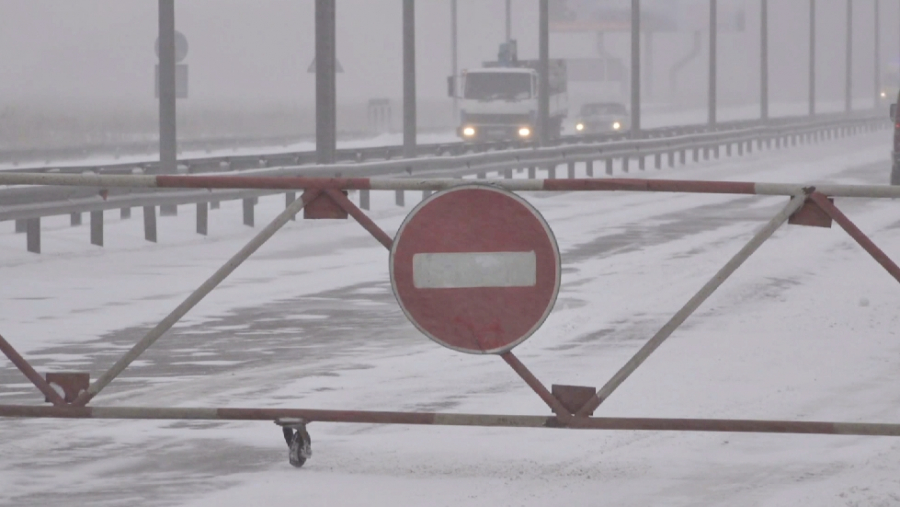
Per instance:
{"type": "Point", "coordinates": [499, 101]}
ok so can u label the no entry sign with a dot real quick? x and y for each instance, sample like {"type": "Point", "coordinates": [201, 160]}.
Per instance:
{"type": "Point", "coordinates": [476, 269]}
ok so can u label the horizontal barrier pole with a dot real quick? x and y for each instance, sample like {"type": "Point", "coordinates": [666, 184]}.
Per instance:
{"type": "Point", "coordinates": [444, 419]}
{"type": "Point", "coordinates": [569, 185]}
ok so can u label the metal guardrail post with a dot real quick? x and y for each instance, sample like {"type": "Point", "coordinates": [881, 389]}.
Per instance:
{"type": "Point", "coordinates": [97, 228]}
{"type": "Point", "coordinates": [33, 235]}
{"type": "Point", "coordinates": [125, 213]}
{"type": "Point", "coordinates": [74, 219]}
{"type": "Point", "coordinates": [150, 223]}
{"type": "Point", "coordinates": [248, 205]}
{"type": "Point", "coordinates": [21, 226]}
{"type": "Point", "coordinates": [571, 170]}
{"type": "Point", "coordinates": [399, 198]}
{"type": "Point", "coordinates": [202, 218]}
{"type": "Point", "coordinates": [589, 167]}
{"type": "Point", "coordinates": [364, 199]}
{"type": "Point", "coordinates": [289, 198]}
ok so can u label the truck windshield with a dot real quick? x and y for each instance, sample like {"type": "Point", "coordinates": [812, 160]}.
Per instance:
{"type": "Point", "coordinates": [498, 86]}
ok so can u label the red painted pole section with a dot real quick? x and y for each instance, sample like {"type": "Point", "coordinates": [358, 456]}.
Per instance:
{"type": "Point", "coordinates": [29, 372]}
{"type": "Point", "coordinates": [856, 234]}
{"type": "Point", "coordinates": [347, 205]}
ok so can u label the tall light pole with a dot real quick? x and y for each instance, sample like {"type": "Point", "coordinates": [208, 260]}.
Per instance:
{"type": "Point", "coordinates": [877, 55]}
{"type": "Point", "coordinates": [409, 79]}
{"type": "Point", "coordinates": [812, 57]}
{"type": "Point", "coordinates": [544, 71]}
{"type": "Point", "coordinates": [508, 20]}
{"type": "Point", "coordinates": [848, 85]}
{"type": "Point", "coordinates": [764, 61]}
{"type": "Point", "coordinates": [635, 67]}
{"type": "Point", "coordinates": [454, 41]}
{"type": "Point", "coordinates": [168, 146]}
{"type": "Point", "coordinates": [713, 32]}
{"type": "Point", "coordinates": [326, 82]}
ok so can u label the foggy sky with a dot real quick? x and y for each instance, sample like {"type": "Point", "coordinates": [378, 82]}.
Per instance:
{"type": "Point", "coordinates": [246, 53]}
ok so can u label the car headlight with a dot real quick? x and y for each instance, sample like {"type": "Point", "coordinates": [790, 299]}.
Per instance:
{"type": "Point", "coordinates": [579, 127]}
{"type": "Point", "coordinates": [616, 125]}
{"type": "Point", "coordinates": [524, 132]}
{"type": "Point", "coordinates": [883, 95]}
{"type": "Point", "coordinates": [469, 131]}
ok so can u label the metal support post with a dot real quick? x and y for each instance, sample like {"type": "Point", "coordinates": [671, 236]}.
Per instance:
{"type": "Point", "coordinates": [713, 36]}
{"type": "Point", "coordinates": [168, 144]}
{"type": "Point", "coordinates": [125, 213]}
{"type": "Point", "coordinates": [75, 219]}
{"type": "Point", "coordinates": [399, 198]}
{"type": "Point", "coordinates": [21, 225]}
{"type": "Point", "coordinates": [635, 67]}
{"type": "Point", "coordinates": [33, 235]}
{"type": "Point", "coordinates": [409, 79]}
{"type": "Point", "coordinates": [326, 82]}
{"type": "Point", "coordinates": [544, 72]}
{"type": "Point", "coordinates": [150, 223]}
{"type": "Point", "coordinates": [764, 60]}
{"type": "Point", "coordinates": [97, 228]}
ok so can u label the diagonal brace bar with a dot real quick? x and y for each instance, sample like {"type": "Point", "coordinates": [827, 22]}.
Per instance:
{"type": "Point", "coordinates": [691, 306]}
{"type": "Point", "coordinates": [347, 205]}
{"type": "Point", "coordinates": [854, 232]}
{"type": "Point", "coordinates": [562, 413]}
{"type": "Point", "coordinates": [30, 373]}
{"type": "Point", "coordinates": [211, 283]}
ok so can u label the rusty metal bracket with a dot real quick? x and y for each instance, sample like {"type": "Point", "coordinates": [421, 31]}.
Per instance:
{"type": "Point", "coordinates": [72, 384]}
{"type": "Point", "coordinates": [573, 398]}
{"type": "Point", "coordinates": [323, 206]}
{"type": "Point", "coordinates": [811, 215]}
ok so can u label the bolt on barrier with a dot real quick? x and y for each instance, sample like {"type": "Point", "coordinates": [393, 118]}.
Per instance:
{"type": "Point", "coordinates": [418, 276]}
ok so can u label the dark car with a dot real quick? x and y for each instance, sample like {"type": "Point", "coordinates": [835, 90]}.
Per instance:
{"type": "Point", "coordinates": [599, 117]}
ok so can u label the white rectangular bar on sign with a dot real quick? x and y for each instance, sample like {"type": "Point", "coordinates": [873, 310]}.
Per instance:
{"type": "Point", "coordinates": [468, 270]}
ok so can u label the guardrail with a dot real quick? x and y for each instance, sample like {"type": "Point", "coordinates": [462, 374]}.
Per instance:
{"type": "Point", "coordinates": [28, 205]}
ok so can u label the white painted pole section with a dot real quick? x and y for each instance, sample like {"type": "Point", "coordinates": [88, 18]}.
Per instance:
{"type": "Point", "coordinates": [469, 270]}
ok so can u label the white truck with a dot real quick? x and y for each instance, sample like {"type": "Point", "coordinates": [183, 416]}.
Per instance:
{"type": "Point", "coordinates": [500, 100]}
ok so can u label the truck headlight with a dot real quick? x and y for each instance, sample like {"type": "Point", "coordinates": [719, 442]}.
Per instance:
{"type": "Point", "coordinates": [469, 131]}
{"type": "Point", "coordinates": [524, 132]}
{"type": "Point", "coordinates": [883, 95]}
{"type": "Point", "coordinates": [579, 127]}
{"type": "Point", "coordinates": [616, 125]}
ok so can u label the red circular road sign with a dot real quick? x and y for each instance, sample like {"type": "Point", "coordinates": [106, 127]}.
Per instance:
{"type": "Point", "coordinates": [476, 269]}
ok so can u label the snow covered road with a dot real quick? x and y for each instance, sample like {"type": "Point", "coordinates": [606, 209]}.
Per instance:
{"type": "Point", "coordinates": [808, 329]}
